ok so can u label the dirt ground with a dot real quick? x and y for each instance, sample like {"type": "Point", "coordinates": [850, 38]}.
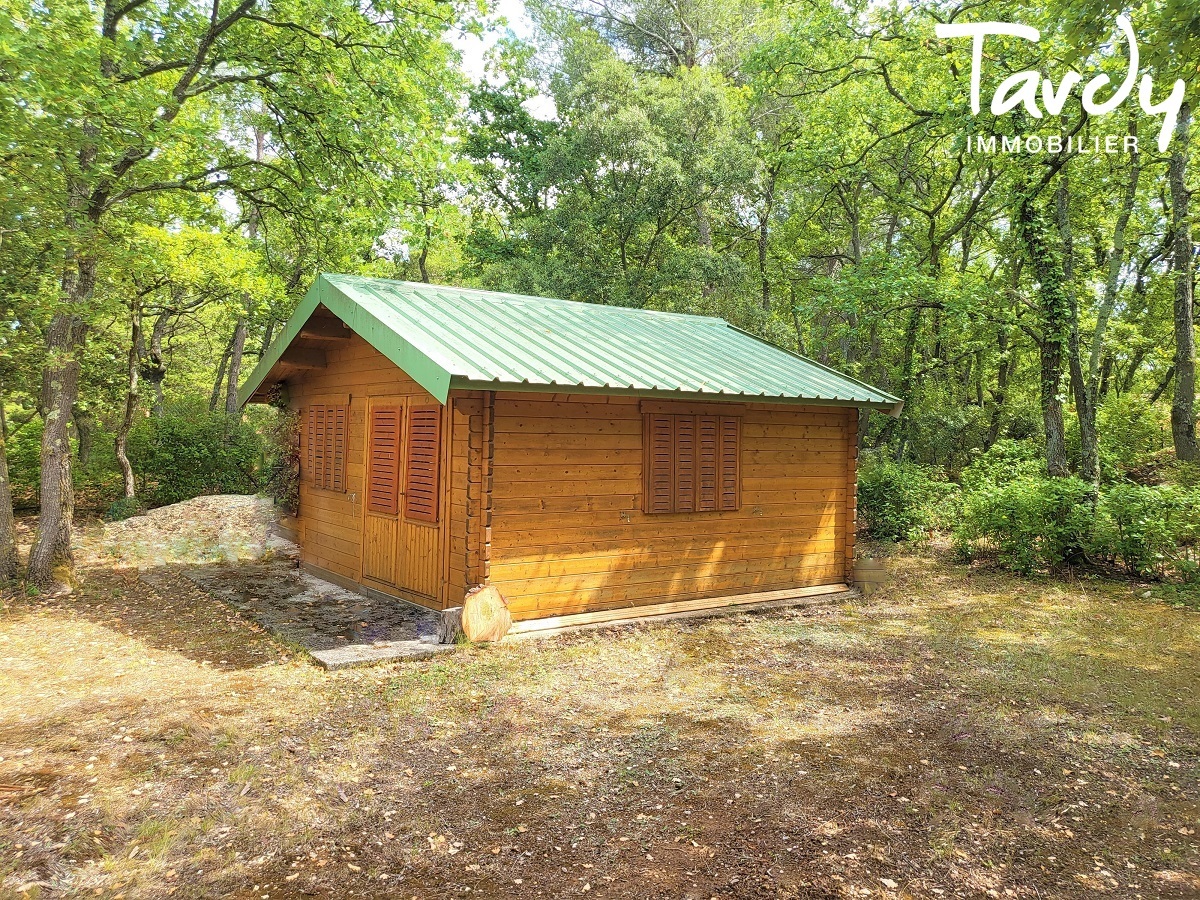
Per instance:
{"type": "Point", "coordinates": [959, 734]}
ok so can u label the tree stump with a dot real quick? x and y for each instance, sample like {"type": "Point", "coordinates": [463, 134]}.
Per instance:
{"type": "Point", "coordinates": [485, 615]}
{"type": "Point", "coordinates": [450, 625]}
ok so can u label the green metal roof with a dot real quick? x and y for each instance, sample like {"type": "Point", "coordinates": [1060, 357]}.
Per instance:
{"type": "Point", "coordinates": [447, 338]}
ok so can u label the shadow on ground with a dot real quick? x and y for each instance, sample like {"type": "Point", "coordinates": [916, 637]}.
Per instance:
{"type": "Point", "coordinates": [955, 736]}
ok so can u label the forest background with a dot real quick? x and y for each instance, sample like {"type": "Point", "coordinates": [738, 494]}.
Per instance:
{"type": "Point", "coordinates": [174, 175]}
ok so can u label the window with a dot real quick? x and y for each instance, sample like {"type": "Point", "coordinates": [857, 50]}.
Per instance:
{"type": "Point", "coordinates": [691, 462]}
{"type": "Point", "coordinates": [325, 450]}
{"type": "Point", "coordinates": [423, 454]}
{"type": "Point", "coordinates": [383, 465]}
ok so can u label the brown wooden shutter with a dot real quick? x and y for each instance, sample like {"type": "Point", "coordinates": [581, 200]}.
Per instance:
{"type": "Point", "coordinates": [383, 479]}
{"type": "Point", "coordinates": [730, 458]}
{"type": "Point", "coordinates": [338, 478]}
{"type": "Point", "coordinates": [685, 463]}
{"type": "Point", "coordinates": [310, 446]}
{"type": "Point", "coordinates": [424, 445]}
{"type": "Point", "coordinates": [319, 468]}
{"type": "Point", "coordinates": [708, 453]}
{"type": "Point", "coordinates": [659, 464]}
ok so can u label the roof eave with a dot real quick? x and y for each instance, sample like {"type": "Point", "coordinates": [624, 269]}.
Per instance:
{"type": "Point", "coordinates": [460, 383]}
{"type": "Point", "coordinates": [433, 377]}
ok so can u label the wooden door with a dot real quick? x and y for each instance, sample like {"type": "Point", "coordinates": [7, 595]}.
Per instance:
{"type": "Point", "coordinates": [385, 427]}
{"type": "Point", "coordinates": [420, 533]}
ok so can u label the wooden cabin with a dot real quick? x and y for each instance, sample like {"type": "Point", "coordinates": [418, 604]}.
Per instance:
{"type": "Point", "coordinates": [580, 458]}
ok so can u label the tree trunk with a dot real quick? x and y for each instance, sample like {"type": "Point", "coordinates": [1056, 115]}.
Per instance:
{"type": "Point", "coordinates": [907, 380]}
{"type": "Point", "coordinates": [1162, 386]}
{"type": "Point", "coordinates": [1008, 365]}
{"type": "Point", "coordinates": [156, 368]}
{"type": "Point", "coordinates": [764, 234]}
{"type": "Point", "coordinates": [423, 256]}
{"type": "Point", "coordinates": [219, 382]}
{"type": "Point", "coordinates": [84, 430]}
{"type": "Point", "coordinates": [1183, 414]}
{"type": "Point", "coordinates": [237, 347]}
{"type": "Point", "coordinates": [1081, 383]}
{"type": "Point", "coordinates": [10, 563]}
{"type": "Point", "coordinates": [131, 402]}
{"type": "Point", "coordinates": [236, 350]}
{"type": "Point", "coordinates": [1055, 315]}
{"type": "Point", "coordinates": [50, 559]}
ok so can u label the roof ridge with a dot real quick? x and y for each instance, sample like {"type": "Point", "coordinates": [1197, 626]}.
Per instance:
{"type": "Point", "coordinates": [424, 287]}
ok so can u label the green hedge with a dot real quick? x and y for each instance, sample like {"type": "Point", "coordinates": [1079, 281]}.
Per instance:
{"type": "Point", "coordinates": [1150, 531]}
{"type": "Point", "coordinates": [1034, 523]}
{"type": "Point", "coordinates": [899, 500]}
{"type": "Point", "coordinates": [191, 451]}
{"type": "Point", "coordinates": [1029, 523]}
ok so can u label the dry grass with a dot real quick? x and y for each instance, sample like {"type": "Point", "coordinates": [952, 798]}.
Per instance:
{"type": "Point", "coordinates": [958, 734]}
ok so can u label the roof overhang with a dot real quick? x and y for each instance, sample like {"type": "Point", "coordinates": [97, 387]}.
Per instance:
{"type": "Point", "coordinates": [458, 383]}
{"type": "Point", "coordinates": [374, 324]}
{"type": "Point", "coordinates": [273, 367]}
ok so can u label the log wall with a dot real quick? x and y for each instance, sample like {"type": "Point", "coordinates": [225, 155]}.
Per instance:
{"type": "Point", "coordinates": [569, 535]}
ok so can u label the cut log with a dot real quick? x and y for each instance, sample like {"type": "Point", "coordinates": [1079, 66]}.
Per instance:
{"type": "Point", "coordinates": [450, 626]}
{"type": "Point", "coordinates": [485, 615]}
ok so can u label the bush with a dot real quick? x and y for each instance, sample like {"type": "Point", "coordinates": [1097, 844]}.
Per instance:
{"type": "Point", "coordinates": [191, 451]}
{"type": "Point", "coordinates": [282, 475]}
{"type": "Point", "coordinates": [1030, 523]}
{"type": "Point", "coordinates": [123, 508]}
{"type": "Point", "coordinates": [24, 449]}
{"type": "Point", "coordinates": [898, 500]}
{"type": "Point", "coordinates": [1150, 531]}
{"type": "Point", "coordinates": [1001, 463]}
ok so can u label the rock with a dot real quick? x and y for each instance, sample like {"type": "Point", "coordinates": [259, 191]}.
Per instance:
{"type": "Point", "coordinates": [450, 625]}
{"type": "Point", "coordinates": [485, 615]}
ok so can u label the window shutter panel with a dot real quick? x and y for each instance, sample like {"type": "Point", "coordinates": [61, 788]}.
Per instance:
{"type": "Point", "coordinates": [383, 480]}
{"type": "Point", "coordinates": [338, 482]}
{"type": "Point", "coordinates": [319, 467]}
{"type": "Point", "coordinates": [421, 484]}
{"type": "Point", "coordinates": [659, 467]}
{"type": "Point", "coordinates": [685, 463]}
{"type": "Point", "coordinates": [708, 452]}
{"type": "Point", "coordinates": [310, 446]}
{"type": "Point", "coordinates": [730, 492]}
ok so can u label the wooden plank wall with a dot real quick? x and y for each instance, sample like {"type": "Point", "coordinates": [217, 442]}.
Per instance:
{"type": "Point", "coordinates": [568, 533]}
{"type": "Point", "coordinates": [330, 522]}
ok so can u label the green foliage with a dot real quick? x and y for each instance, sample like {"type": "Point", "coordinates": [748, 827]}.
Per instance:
{"type": "Point", "coordinates": [24, 449]}
{"type": "Point", "coordinates": [1030, 523]}
{"type": "Point", "coordinates": [191, 451]}
{"type": "Point", "coordinates": [1150, 531]}
{"type": "Point", "coordinates": [1131, 431]}
{"type": "Point", "coordinates": [1002, 462]}
{"type": "Point", "coordinates": [900, 500]}
{"type": "Point", "coordinates": [282, 481]}
{"type": "Point", "coordinates": [123, 508]}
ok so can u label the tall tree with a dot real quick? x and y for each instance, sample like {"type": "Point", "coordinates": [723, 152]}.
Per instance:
{"type": "Point", "coordinates": [1183, 404]}
{"type": "Point", "coordinates": [141, 106]}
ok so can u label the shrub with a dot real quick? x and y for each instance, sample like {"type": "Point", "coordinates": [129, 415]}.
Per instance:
{"type": "Point", "coordinates": [1002, 462]}
{"type": "Point", "coordinates": [1030, 522]}
{"type": "Point", "coordinates": [1150, 531]}
{"type": "Point", "coordinates": [898, 500]}
{"type": "Point", "coordinates": [123, 508]}
{"type": "Point", "coordinates": [24, 449]}
{"type": "Point", "coordinates": [191, 451]}
{"type": "Point", "coordinates": [281, 479]}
